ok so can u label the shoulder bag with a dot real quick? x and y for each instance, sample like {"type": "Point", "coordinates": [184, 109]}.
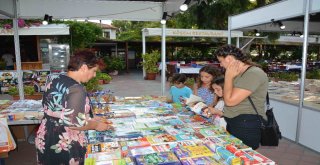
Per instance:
{"type": "Point", "coordinates": [270, 132]}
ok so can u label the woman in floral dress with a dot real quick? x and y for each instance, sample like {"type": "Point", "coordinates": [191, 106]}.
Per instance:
{"type": "Point", "coordinates": [61, 138]}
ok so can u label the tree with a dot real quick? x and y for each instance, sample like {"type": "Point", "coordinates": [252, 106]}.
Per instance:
{"type": "Point", "coordinates": [82, 34]}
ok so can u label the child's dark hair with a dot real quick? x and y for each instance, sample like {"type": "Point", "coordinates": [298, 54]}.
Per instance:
{"type": "Point", "coordinates": [180, 78]}
{"type": "Point", "coordinates": [219, 81]}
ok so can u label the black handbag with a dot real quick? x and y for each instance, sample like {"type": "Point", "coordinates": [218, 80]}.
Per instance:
{"type": "Point", "coordinates": [270, 132]}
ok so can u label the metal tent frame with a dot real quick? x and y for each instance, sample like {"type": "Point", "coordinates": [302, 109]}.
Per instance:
{"type": "Point", "coordinates": [282, 10]}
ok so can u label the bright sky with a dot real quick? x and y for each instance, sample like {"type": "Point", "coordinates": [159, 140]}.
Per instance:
{"type": "Point", "coordinates": [103, 21]}
{"type": "Point", "coordinates": [96, 21]}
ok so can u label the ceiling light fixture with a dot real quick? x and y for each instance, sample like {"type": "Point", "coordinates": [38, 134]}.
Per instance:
{"type": "Point", "coordinates": [279, 23]}
{"type": "Point", "coordinates": [256, 32]}
{"type": "Point", "coordinates": [184, 6]}
{"type": "Point", "coordinates": [47, 19]}
{"type": "Point", "coordinates": [164, 18]}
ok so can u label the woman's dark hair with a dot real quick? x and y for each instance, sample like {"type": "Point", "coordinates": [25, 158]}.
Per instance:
{"type": "Point", "coordinates": [82, 57]}
{"type": "Point", "coordinates": [219, 81]}
{"type": "Point", "coordinates": [227, 50]}
{"type": "Point", "coordinates": [210, 70]}
{"type": "Point", "coordinates": [180, 78]}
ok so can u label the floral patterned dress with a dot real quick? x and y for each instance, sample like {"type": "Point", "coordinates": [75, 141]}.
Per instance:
{"type": "Point", "coordinates": [206, 95]}
{"type": "Point", "coordinates": [65, 105]}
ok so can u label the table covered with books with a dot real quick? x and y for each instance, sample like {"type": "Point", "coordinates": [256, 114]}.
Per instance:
{"type": "Point", "coordinates": [150, 131]}
{"type": "Point", "coordinates": [21, 112]}
{"type": "Point", "coordinates": [23, 115]}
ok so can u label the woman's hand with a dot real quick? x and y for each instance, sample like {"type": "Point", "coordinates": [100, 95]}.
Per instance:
{"type": "Point", "coordinates": [233, 69]}
{"type": "Point", "coordinates": [93, 124]}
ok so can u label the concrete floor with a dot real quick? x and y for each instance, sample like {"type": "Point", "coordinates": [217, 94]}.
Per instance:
{"type": "Point", "coordinates": [132, 84]}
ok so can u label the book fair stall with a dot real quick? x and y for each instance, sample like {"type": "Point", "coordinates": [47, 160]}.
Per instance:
{"type": "Point", "coordinates": [147, 130]}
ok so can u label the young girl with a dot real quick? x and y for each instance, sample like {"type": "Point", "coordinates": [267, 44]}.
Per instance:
{"type": "Point", "coordinates": [217, 112]}
{"type": "Point", "coordinates": [203, 88]}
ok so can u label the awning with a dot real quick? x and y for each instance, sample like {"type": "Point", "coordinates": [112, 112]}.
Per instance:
{"type": "Point", "coordinates": [51, 29]}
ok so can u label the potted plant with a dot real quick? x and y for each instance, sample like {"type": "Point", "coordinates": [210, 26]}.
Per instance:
{"type": "Point", "coordinates": [93, 85]}
{"type": "Point", "coordinates": [150, 64]}
{"type": "Point", "coordinates": [104, 77]}
{"type": "Point", "coordinates": [114, 65]}
{"type": "Point", "coordinates": [29, 93]}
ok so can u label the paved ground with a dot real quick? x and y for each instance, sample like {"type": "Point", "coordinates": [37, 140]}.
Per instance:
{"type": "Point", "coordinates": [132, 84]}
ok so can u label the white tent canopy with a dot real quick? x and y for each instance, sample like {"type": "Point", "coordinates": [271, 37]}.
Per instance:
{"type": "Point", "coordinates": [281, 10]}
{"type": "Point", "coordinates": [149, 10]}
{"type": "Point", "coordinates": [90, 9]}
{"type": "Point", "coordinates": [51, 29]}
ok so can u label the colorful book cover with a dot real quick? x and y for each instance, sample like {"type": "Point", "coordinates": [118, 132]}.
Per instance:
{"type": "Point", "coordinates": [259, 157]}
{"type": "Point", "coordinates": [103, 156]}
{"type": "Point", "coordinates": [199, 151]}
{"type": "Point", "coordinates": [141, 151]}
{"type": "Point", "coordinates": [208, 160]}
{"type": "Point", "coordinates": [140, 142]}
{"type": "Point", "coordinates": [162, 148]}
{"type": "Point", "coordinates": [140, 126]}
{"type": "Point", "coordinates": [102, 147]}
{"type": "Point", "coordinates": [227, 156]}
{"type": "Point", "coordinates": [153, 125]}
{"type": "Point", "coordinates": [162, 158]}
{"type": "Point", "coordinates": [172, 120]}
{"type": "Point", "coordinates": [183, 137]}
{"type": "Point", "coordinates": [161, 138]}
{"type": "Point", "coordinates": [229, 139]}
{"type": "Point", "coordinates": [172, 131]}
{"type": "Point", "coordinates": [184, 152]}
{"type": "Point", "coordinates": [153, 132]}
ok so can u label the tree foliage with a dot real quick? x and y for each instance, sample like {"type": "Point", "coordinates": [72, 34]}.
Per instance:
{"type": "Point", "coordinates": [82, 34]}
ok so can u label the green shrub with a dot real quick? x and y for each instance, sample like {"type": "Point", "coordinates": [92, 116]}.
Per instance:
{"type": "Point", "coordinates": [115, 63]}
{"type": "Point", "coordinates": [313, 74]}
{"type": "Point", "coordinates": [285, 76]}
{"type": "Point", "coordinates": [93, 84]}
{"type": "Point", "coordinates": [103, 76]}
{"type": "Point", "coordinates": [28, 90]}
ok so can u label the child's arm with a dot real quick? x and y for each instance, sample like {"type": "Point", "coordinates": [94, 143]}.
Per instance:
{"type": "Point", "coordinates": [195, 89]}
{"type": "Point", "coordinates": [215, 111]}
{"type": "Point", "coordinates": [170, 97]}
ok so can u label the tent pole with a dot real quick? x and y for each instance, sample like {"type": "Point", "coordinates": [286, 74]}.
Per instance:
{"type": "Point", "coordinates": [304, 65]}
{"type": "Point", "coordinates": [229, 30]}
{"type": "Point", "coordinates": [17, 50]}
{"type": "Point", "coordinates": [143, 50]}
{"type": "Point", "coordinates": [163, 60]}
{"type": "Point", "coordinates": [238, 42]}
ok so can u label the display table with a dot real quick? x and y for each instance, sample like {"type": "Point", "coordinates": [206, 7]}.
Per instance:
{"type": "Point", "coordinates": [189, 70]}
{"type": "Point", "coordinates": [22, 113]}
{"type": "Point", "coordinates": [149, 131]}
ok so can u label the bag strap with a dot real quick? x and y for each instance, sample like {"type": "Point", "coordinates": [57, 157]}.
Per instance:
{"type": "Point", "coordinates": [255, 109]}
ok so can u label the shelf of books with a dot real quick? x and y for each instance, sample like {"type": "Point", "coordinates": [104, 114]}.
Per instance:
{"type": "Point", "coordinates": [148, 131]}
